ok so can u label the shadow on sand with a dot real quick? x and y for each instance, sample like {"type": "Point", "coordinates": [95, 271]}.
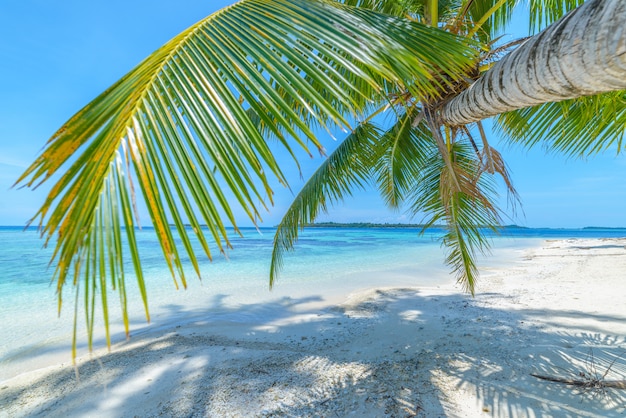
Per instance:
{"type": "Point", "coordinates": [396, 352]}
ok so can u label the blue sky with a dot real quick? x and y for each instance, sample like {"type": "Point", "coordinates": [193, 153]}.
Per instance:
{"type": "Point", "coordinates": [57, 56]}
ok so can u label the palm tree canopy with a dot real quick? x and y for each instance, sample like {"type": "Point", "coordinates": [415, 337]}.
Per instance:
{"type": "Point", "coordinates": [588, 58]}
{"type": "Point", "coordinates": [188, 129]}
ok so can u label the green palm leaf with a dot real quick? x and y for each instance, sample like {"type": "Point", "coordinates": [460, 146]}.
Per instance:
{"type": "Point", "coordinates": [348, 167]}
{"type": "Point", "coordinates": [578, 128]}
{"type": "Point", "coordinates": [185, 128]}
{"type": "Point", "coordinates": [546, 12]}
{"type": "Point", "coordinates": [453, 189]}
{"type": "Point", "coordinates": [394, 158]}
{"type": "Point", "coordinates": [487, 18]}
{"type": "Point", "coordinates": [462, 200]}
{"type": "Point", "coordinates": [401, 157]}
{"type": "Point", "coordinates": [490, 18]}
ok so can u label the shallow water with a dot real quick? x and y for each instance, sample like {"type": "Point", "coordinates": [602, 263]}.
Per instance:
{"type": "Point", "coordinates": [327, 265]}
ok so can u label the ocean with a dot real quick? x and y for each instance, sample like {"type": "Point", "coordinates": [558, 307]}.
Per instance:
{"type": "Point", "coordinates": [326, 266]}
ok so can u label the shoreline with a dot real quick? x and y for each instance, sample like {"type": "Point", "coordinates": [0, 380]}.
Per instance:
{"type": "Point", "coordinates": [386, 351]}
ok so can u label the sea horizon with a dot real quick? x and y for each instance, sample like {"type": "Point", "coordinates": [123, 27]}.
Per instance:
{"type": "Point", "coordinates": [332, 224]}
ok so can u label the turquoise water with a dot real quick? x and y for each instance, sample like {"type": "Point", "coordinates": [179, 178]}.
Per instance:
{"type": "Point", "coordinates": [328, 264]}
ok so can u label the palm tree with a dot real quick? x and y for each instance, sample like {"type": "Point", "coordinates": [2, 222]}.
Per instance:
{"type": "Point", "coordinates": [190, 125]}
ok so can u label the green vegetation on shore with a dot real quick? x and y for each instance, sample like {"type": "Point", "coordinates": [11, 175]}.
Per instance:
{"type": "Point", "coordinates": [381, 225]}
{"type": "Point", "coordinates": [364, 225]}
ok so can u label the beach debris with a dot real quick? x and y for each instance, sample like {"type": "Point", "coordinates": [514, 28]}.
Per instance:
{"type": "Point", "coordinates": [589, 380]}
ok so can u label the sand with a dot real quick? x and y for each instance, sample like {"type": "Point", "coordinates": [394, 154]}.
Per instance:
{"type": "Point", "coordinates": [559, 311]}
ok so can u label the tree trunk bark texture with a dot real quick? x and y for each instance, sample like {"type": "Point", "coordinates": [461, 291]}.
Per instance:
{"type": "Point", "coordinates": [584, 53]}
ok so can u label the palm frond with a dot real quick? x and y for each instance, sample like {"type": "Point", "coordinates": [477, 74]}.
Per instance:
{"type": "Point", "coordinates": [545, 12]}
{"type": "Point", "coordinates": [489, 18]}
{"type": "Point", "coordinates": [578, 128]}
{"type": "Point", "coordinates": [185, 126]}
{"type": "Point", "coordinates": [467, 209]}
{"type": "Point", "coordinates": [493, 163]}
{"type": "Point", "coordinates": [400, 157]}
{"type": "Point", "coordinates": [347, 168]}
{"type": "Point", "coordinates": [394, 8]}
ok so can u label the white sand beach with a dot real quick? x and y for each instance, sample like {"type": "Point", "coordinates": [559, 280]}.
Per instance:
{"type": "Point", "coordinates": [559, 311]}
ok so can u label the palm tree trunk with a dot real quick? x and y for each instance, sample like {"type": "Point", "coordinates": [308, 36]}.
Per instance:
{"type": "Point", "coordinates": [583, 53]}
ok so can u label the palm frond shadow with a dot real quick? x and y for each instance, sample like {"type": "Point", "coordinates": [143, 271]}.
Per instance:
{"type": "Point", "coordinates": [390, 354]}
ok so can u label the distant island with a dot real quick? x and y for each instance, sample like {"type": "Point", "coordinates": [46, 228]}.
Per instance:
{"type": "Point", "coordinates": [604, 227]}
{"type": "Point", "coordinates": [365, 225]}
{"type": "Point", "coordinates": [382, 225]}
